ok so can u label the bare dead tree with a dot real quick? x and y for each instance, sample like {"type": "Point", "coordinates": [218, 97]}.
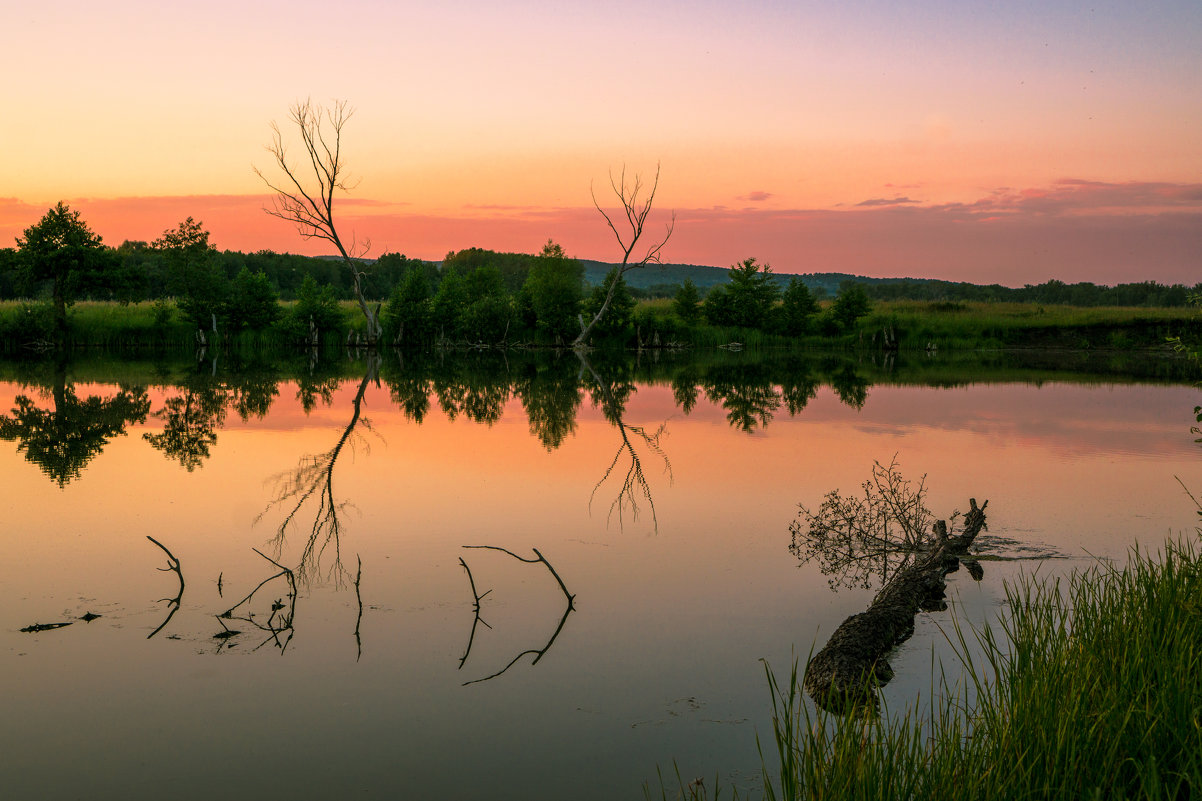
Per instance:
{"type": "Point", "coordinates": [635, 209]}
{"type": "Point", "coordinates": [307, 200]}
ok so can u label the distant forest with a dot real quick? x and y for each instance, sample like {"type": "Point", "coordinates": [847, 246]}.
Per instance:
{"type": "Point", "coordinates": [662, 280]}
{"type": "Point", "coordinates": [144, 272]}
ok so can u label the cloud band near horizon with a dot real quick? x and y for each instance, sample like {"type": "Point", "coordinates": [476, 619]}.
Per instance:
{"type": "Point", "coordinates": [1073, 230]}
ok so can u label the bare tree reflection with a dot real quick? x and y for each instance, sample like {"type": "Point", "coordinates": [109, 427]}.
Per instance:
{"type": "Point", "coordinates": [612, 397]}
{"type": "Point", "coordinates": [311, 484]}
{"type": "Point", "coordinates": [538, 653]}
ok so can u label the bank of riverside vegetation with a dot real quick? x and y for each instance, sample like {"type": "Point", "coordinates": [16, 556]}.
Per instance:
{"type": "Point", "coordinates": [180, 290]}
{"type": "Point", "coordinates": [1086, 691]}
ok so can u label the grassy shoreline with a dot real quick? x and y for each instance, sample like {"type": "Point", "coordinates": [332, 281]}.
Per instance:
{"type": "Point", "coordinates": [896, 325]}
{"type": "Point", "coordinates": [1090, 690]}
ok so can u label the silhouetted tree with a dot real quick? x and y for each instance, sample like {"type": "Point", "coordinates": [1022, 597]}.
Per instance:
{"type": "Point", "coordinates": [252, 302]}
{"type": "Point", "coordinates": [753, 292]}
{"type": "Point", "coordinates": [850, 305]}
{"type": "Point", "coordinates": [798, 307]}
{"type": "Point", "coordinates": [409, 315]}
{"type": "Point", "coordinates": [636, 212]}
{"type": "Point", "coordinates": [685, 304]}
{"type": "Point", "coordinates": [62, 250]}
{"type": "Point", "coordinates": [308, 202]}
{"type": "Point", "coordinates": [555, 286]}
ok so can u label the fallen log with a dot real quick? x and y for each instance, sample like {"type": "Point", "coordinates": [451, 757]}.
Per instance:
{"type": "Point", "coordinates": [844, 675]}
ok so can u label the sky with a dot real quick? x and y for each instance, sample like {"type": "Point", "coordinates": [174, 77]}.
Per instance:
{"type": "Point", "coordinates": [972, 141]}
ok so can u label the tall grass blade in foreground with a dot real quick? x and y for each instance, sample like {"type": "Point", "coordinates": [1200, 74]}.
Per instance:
{"type": "Point", "coordinates": [1093, 690]}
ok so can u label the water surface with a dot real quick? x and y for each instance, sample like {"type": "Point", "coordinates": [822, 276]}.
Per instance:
{"type": "Point", "coordinates": [661, 498]}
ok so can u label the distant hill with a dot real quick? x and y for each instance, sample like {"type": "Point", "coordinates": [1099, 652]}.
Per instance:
{"type": "Point", "coordinates": [705, 277]}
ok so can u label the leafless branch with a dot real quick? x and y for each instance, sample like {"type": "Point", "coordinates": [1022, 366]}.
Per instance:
{"type": "Point", "coordinates": [635, 211]}
{"type": "Point", "coordinates": [280, 621]}
{"type": "Point", "coordinates": [538, 652]}
{"type": "Point", "coordinates": [476, 598]}
{"type": "Point", "coordinates": [173, 566]}
{"type": "Point", "coordinates": [305, 197]}
{"type": "Point", "coordinates": [359, 618]}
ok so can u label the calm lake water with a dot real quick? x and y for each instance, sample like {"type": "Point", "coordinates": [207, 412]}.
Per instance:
{"type": "Point", "coordinates": [376, 665]}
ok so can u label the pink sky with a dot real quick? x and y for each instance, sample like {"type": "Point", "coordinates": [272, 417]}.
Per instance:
{"type": "Point", "coordinates": [963, 141]}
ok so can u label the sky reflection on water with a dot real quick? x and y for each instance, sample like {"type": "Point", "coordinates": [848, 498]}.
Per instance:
{"type": "Point", "coordinates": [658, 659]}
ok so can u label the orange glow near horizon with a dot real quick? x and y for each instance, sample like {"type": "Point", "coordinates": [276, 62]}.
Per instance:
{"type": "Point", "coordinates": [477, 125]}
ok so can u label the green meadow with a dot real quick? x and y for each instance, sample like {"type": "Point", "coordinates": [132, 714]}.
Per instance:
{"type": "Point", "coordinates": [894, 325]}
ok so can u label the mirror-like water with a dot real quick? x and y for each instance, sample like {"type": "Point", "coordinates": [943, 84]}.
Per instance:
{"type": "Point", "coordinates": [380, 655]}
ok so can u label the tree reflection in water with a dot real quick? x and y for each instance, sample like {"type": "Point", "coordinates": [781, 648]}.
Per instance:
{"type": "Point", "coordinates": [612, 397]}
{"type": "Point", "coordinates": [191, 421]}
{"type": "Point", "coordinates": [311, 484]}
{"type": "Point", "coordinates": [63, 439]}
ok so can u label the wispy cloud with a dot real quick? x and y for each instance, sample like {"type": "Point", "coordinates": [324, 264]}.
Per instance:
{"type": "Point", "coordinates": [755, 197]}
{"type": "Point", "coordinates": [885, 201]}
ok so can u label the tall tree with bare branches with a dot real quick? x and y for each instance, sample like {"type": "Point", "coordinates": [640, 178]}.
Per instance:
{"type": "Point", "coordinates": [635, 209]}
{"type": "Point", "coordinates": [307, 200]}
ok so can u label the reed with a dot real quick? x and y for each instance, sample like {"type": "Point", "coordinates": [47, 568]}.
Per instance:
{"type": "Point", "coordinates": [1090, 688]}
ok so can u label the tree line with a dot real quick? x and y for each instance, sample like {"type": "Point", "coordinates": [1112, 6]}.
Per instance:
{"type": "Point", "coordinates": [473, 297]}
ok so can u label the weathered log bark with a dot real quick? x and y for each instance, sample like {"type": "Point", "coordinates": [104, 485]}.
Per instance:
{"type": "Point", "coordinates": [844, 674]}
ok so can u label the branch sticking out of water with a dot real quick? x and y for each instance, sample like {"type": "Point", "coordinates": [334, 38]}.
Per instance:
{"type": "Point", "coordinates": [842, 676]}
{"type": "Point", "coordinates": [538, 652]}
{"type": "Point", "coordinates": [173, 566]}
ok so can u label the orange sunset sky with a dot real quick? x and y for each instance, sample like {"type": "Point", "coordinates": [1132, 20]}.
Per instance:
{"type": "Point", "coordinates": [989, 142]}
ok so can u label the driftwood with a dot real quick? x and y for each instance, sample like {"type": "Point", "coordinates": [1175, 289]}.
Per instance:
{"type": "Point", "coordinates": [854, 660]}
{"type": "Point", "coordinates": [538, 653]}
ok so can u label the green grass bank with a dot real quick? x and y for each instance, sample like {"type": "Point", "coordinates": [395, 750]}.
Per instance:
{"type": "Point", "coordinates": [897, 325]}
{"type": "Point", "coordinates": [1088, 689]}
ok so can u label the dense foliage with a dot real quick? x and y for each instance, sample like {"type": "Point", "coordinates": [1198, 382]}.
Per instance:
{"type": "Point", "coordinates": [480, 297]}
